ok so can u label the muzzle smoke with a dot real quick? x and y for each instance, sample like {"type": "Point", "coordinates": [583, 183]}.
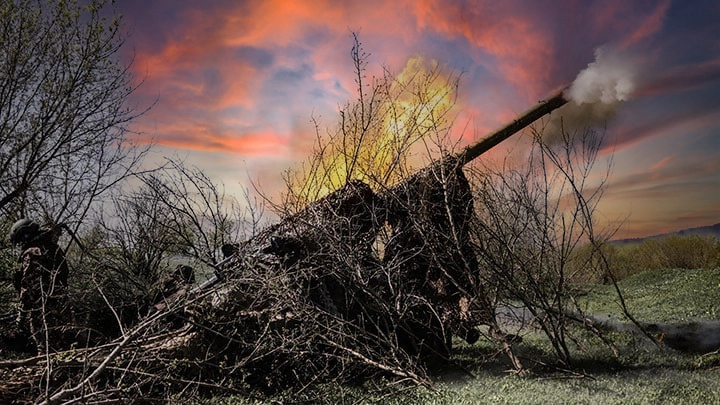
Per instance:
{"type": "Point", "coordinates": [611, 78]}
{"type": "Point", "coordinates": [595, 94]}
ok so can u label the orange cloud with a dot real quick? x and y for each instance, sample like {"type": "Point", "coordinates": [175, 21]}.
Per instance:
{"type": "Point", "coordinates": [662, 162]}
{"type": "Point", "coordinates": [250, 145]}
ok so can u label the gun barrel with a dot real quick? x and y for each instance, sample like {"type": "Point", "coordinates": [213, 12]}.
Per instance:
{"type": "Point", "coordinates": [528, 117]}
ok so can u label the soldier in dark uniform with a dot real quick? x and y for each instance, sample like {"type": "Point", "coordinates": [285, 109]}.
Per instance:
{"type": "Point", "coordinates": [41, 284]}
{"type": "Point", "coordinates": [170, 291]}
{"type": "Point", "coordinates": [174, 286]}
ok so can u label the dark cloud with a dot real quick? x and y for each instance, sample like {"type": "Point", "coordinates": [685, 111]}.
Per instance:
{"type": "Point", "coordinates": [290, 77]}
{"type": "Point", "coordinates": [259, 58]}
{"type": "Point", "coordinates": [683, 78]}
{"type": "Point", "coordinates": [666, 113]}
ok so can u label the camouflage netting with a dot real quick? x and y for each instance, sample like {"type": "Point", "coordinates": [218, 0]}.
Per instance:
{"type": "Point", "coordinates": [311, 299]}
{"type": "Point", "coordinates": [357, 284]}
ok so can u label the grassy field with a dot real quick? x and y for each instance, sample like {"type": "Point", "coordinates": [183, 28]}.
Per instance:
{"type": "Point", "coordinates": [665, 295]}
{"type": "Point", "coordinates": [643, 373]}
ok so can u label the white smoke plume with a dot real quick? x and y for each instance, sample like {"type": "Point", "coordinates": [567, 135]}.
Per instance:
{"type": "Point", "coordinates": [611, 78]}
{"type": "Point", "coordinates": [596, 93]}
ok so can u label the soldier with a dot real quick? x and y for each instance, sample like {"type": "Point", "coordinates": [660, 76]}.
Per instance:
{"type": "Point", "coordinates": [41, 284]}
{"type": "Point", "coordinates": [174, 287]}
{"type": "Point", "coordinates": [170, 291]}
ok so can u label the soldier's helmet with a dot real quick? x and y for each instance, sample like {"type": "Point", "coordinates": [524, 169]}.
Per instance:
{"type": "Point", "coordinates": [23, 230]}
{"type": "Point", "coordinates": [184, 273]}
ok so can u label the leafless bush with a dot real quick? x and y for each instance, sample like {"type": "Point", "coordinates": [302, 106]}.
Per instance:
{"type": "Point", "coordinates": [533, 219]}
{"type": "Point", "coordinates": [175, 216]}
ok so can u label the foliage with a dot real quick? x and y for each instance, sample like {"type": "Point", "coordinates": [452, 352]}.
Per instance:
{"type": "Point", "coordinates": [671, 252]}
{"type": "Point", "coordinates": [681, 252]}
{"type": "Point", "coordinates": [586, 267]}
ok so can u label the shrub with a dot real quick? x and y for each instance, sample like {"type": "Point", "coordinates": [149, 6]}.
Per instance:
{"type": "Point", "coordinates": [671, 252]}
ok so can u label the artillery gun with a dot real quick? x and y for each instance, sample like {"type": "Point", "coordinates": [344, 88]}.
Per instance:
{"type": "Point", "coordinates": [359, 210]}
{"type": "Point", "coordinates": [328, 245]}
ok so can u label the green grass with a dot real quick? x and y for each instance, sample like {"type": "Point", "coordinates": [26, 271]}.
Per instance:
{"type": "Point", "coordinates": [665, 295]}
{"type": "Point", "coordinates": [648, 386]}
{"type": "Point", "coordinates": [643, 374]}
{"type": "Point", "coordinates": [638, 386]}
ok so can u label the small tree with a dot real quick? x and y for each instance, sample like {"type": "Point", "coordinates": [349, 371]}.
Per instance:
{"type": "Point", "coordinates": [175, 215]}
{"type": "Point", "coordinates": [199, 217]}
{"type": "Point", "coordinates": [532, 218]}
{"type": "Point", "coordinates": [63, 108]}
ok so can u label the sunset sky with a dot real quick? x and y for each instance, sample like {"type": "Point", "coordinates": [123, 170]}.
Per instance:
{"type": "Point", "coordinates": [237, 82]}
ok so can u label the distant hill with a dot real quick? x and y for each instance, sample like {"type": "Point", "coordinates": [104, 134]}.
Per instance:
{"type": "Point", "coordinates": [711, 230]}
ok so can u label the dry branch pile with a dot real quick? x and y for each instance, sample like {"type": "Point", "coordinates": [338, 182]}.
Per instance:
{"type": "Point", "coordinates": [307, 300]}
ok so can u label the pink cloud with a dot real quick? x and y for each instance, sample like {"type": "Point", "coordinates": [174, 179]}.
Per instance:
{"type": "Point", "coordinates": [522, 48]}
{"type": "Point", "coordinates": [664, 161]}
{"type": "Point", "coordinates": [682, 78]}
{"type": "Point", "coordinates": [648, 26]}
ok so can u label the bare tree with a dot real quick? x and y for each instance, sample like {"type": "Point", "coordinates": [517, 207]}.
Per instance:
{"type": "Point", "coordinates": [199, 216]}
{"type": "Point", "coordinates": [532, 217]}
{"type": "Point", "coordinates": [174, 214]}
{"type": "Point", "coordinates": [63, 108]}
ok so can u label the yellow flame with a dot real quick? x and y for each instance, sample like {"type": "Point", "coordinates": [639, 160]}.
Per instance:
{"type": "Point", "coordinates": [377, 148]}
